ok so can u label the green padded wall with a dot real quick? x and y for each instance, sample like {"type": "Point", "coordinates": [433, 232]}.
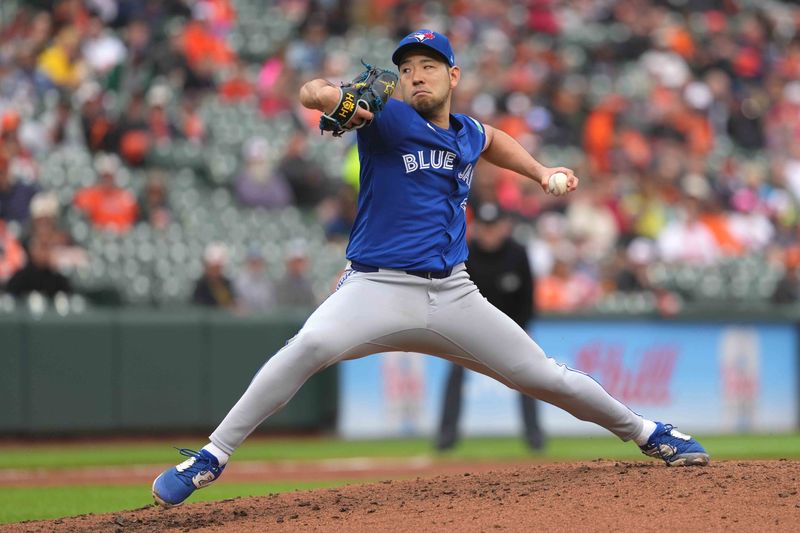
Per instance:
{"type": "Point", "coordinates": [12, 378]}
{"type": "Point", "coordinates": [145, 371]}
{"type": "Point", "coordinates": [163, 378]}
{"type": "Point", "coordinates": [70, 373]}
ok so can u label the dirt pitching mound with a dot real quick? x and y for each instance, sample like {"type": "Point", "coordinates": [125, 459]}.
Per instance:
{"type": "Point", "coordinates": [588, 496]}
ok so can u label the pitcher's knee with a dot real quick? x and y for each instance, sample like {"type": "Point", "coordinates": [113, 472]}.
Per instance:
{"type": "Point", "coordinates": [315, 346]}
{"type": "Point", "coordinates": [546, 378]}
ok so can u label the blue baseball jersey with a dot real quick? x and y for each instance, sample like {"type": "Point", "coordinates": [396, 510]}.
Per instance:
{"type": "Point", "coordinates": [415, 179]}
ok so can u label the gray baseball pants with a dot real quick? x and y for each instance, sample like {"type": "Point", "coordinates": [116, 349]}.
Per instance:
{"type": "Point", "coordinates": [388, 311]}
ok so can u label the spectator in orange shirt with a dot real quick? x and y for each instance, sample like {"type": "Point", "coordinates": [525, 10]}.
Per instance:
{"type": "Point", "coordinates": [12, 255]}
{"type": "Point", "coordinates": [719, 224]}
{"type": "Point", "coordinates": [565, 290]}
{"type": "Point", "coordinates": [600, 132]}
{"type": "Point", "coordinates": [105, 204]}
{"type": "Point", "coordinates": [200, 44]}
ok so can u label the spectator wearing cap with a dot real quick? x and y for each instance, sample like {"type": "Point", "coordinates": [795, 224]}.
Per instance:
{"type": "Point", "coordinates": [160, 124]}
{"type": "Point", "coordinates": [44, 226]}
{"type": "Point", "coordinates": [255, 293]}
{"type": "Point", "coordinates": [154, 205]}
{"type": "Point", "coordinates": [294, 289]}
{"type": "Point", "coordinates": [15, 196]}
{"type": "Point", "coordinates": [500, 269]}
{"type": "Point", "coordinates": [214, 289]}
{"type": "Point", "coordinates": [107, 206]}
{"type": "Point", "coordinates": [39, 275]}
{"type": "Point", "coordinates": [258, 184]}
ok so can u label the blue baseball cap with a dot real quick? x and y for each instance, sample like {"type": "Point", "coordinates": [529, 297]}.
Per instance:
{"type": "Point", "coordinates": [428, 38]}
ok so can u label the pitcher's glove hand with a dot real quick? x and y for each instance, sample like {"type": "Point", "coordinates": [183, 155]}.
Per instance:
{"type": "Point", "coordinates": [371, 90]}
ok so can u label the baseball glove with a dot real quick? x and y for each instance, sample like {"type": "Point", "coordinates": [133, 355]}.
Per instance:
{"type": "Point", "coordinates": [371, 90]}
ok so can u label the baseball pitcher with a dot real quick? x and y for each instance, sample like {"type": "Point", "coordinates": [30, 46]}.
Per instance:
{"type": "Point", "coordinates": [405, 287]}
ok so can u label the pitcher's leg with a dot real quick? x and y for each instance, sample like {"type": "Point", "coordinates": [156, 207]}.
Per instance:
{"type": "Point", "coordinates": [345, 325]}
{"type": "Point", "coordinates": [490, 337]}
{"type": "Point", "coordinates": [272, 387]}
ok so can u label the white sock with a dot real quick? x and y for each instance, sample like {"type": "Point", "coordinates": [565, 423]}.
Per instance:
{"type": "Point", "coordinates": [214, 450]}
{"type": "Point", "coordinates": [648, 427]}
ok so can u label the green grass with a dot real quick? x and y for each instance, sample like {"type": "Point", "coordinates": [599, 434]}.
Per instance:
{"type": "Point", "coordinates": [18, 504]}
{"type": "Point", "coordinates": [26, 503]}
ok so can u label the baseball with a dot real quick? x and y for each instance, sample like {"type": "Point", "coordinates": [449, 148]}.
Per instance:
{"type": "Point", "coordinates": [557, 184]}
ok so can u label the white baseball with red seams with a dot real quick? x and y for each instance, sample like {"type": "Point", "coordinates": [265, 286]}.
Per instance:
{"type": "Point", "coordinates": [557, 184]}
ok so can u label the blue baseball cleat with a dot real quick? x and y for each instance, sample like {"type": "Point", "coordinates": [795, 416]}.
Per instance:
{"type": "Point", "coordinates": [675, 448]}
{"type": "Point", "coordinates": [173, 486]}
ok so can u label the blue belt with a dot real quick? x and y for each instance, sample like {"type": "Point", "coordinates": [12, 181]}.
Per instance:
{"type": "Point", "coordinates": [427, 274]}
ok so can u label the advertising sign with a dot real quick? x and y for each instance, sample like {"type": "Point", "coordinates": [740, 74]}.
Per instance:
{"type": "Point", "coordinates": [714, 378]}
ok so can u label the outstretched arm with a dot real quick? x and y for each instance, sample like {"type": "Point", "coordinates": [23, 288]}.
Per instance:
{"type": "Point", "coordinates": [504, 151]}
{"type": "Point", "coordinates": [323, 96]}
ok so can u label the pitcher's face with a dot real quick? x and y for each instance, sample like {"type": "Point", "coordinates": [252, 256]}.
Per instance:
{"type": "Point", "coordinates": [426, 80]}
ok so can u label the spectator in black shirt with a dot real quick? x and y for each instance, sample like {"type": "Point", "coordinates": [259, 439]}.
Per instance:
{"type": "Point", "coordinates": [499, 267]}
{"type": "Point", "coordinates": [38, 275]}
{"type": "Point", "coordinates": [213, 289]}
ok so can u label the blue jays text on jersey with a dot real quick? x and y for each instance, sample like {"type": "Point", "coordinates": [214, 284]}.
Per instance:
{"type": "Point", "coordinates": [436, 159]}
{"type": "Point", "coordinates": [415, 179]}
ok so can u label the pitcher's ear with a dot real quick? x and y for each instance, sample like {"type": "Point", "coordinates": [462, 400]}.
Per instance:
{"type": "Point", "coordinates": [455, 76]}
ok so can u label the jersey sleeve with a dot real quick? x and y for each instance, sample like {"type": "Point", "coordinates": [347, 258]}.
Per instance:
{"type": "Point", "coordinates": [481, 137]}
{"type": "Point", "coordinates": [386, 127]}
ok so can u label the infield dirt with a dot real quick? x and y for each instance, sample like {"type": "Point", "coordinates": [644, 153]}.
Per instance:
{"type": "Point", "coordinates": [586, 496]}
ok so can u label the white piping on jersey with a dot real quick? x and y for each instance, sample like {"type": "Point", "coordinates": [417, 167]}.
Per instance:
{"type": "Point", "coordinates": [480, 126]}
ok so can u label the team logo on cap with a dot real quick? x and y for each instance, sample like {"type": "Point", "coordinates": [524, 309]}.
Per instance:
{"type": "Point", "coordinates": [423, 36]}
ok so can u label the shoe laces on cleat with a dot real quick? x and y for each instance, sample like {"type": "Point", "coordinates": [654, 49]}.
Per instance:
{"type": "Point", "coordinates": [665, 450]}
{"type": "Point", "coordinates": [196, 463]}
{"type": "Point", "coordinates": [673, 432]}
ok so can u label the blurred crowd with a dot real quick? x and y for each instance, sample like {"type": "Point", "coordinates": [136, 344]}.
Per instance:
{"type": "Point", "coordinates": [682, 118]}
